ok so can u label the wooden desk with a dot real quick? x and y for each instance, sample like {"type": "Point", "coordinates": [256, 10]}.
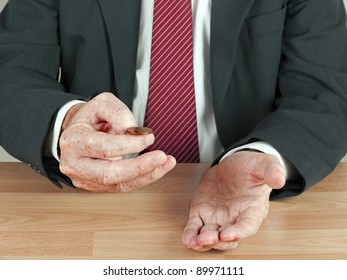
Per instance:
{"type": "Point", "coordinates": [40, 221]}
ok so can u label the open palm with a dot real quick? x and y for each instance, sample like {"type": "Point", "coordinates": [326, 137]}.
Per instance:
{"type": "Point", "coordinates": [232, 200]}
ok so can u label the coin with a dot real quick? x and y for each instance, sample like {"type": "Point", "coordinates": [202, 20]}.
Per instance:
{"type": "Point", "coordinates": [139, 130]}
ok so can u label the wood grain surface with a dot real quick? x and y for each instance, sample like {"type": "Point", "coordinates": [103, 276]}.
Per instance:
{"type": "Point", "coordinates": [40, 221]}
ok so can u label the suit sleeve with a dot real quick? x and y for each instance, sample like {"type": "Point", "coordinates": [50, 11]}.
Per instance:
{"type": "Point", "coordinates": [309, 126]}
{"type": "Point", "coordinates": [30, 94]}
{"type": "Point", "coordinates": [309, 123]}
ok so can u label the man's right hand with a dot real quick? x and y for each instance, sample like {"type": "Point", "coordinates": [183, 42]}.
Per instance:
{"type": "Point", "coordinates": [93, 142]}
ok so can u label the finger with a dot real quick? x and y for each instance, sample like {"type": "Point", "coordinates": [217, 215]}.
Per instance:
{"type": "Point", "coordinates": [224, 246]}
{"type": "Point", "coordinates": [89, 186]}
{"type": "Point", "coordinates": [219, 244]}
{"type": "Point", "coordinates": [109, 146]}
{"type": "Point", "coordinates": [201, 248]}
{"type": "Point", "coordinates": [127, 186]}
{"type": "Point", "coordinates": [121, 187]}
{"type": "Point", "coordinates": [245, 226]}
{"type": "Point", "coordinates": [111, 173]}
{"type": "Point", "coordinates": [209, 234]}
{"type": "Point", "coordinates": [96, 144]}
{"type": "Point", "coordinates": [148, 178]}
{"type": "Point", "coordinates": [209, 239]}
{"type": "Point", "coordinates": [191, 232]}
{"type": "Point", "coordinates": [270, 170]}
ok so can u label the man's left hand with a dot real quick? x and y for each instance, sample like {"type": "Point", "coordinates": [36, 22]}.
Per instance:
{"type": "Point", "coordinates": [232, 201]}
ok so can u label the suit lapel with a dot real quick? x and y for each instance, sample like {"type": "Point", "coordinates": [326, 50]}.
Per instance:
{"type": "Point", "coordinates": [122, 23]}
{"type": "Point", "coordinates": [227, 18]}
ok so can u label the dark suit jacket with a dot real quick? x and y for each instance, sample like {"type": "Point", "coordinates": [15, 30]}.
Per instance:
{"type": "Point", "coordinates": [278, 74]}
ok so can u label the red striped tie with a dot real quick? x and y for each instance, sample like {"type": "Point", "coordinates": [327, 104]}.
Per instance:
{"type": "Point", "coordinates": [171, 101]}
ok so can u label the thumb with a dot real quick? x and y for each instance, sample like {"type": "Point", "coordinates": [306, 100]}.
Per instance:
{"type": "Point", "coordinates": [108, 108]}
{"type": "Point", "coordinates": [275, 175]}
{"type": "Point", "coordinates": [271, 170]}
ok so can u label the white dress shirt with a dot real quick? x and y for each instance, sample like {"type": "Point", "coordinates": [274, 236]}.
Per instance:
{"type": "Point", "coordinates": [209, 144]}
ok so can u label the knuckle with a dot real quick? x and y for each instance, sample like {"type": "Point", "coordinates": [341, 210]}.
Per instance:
{"type": "Point", "coordinates": [140, 170]}
{"type": "Point", "coordinates": [106, 94]}
{"type": "Point", "coordinates": [153, 176]}
{"type": "Point", "coordinates": [266, 159]}
{"type": "Point", "coordinates": [64, 141]}
{"type": "Point", "coordinates": [261, 158]}
{"type": "Point", "coordinates": [69, 140]}
{"type": "Point", "coordinates": [102, 97]}
{"type": "Point", "coordinates": [84, 185]}
{"type": "Point", "coordinates": [93, 145]}
{"type": "Point", "coordinates": [78, 184]}
{"type": "Point", "coordinates": [124, 188]}
{"type": "Point", "coordinates": [90, 142]}
{"type": "Point", "coordinates": [106, 178]}
{"type": "Point", "coordinates": [66, 169]}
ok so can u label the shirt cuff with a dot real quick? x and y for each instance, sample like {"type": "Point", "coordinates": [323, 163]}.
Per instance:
{"type": "Point", "coordinates": [53, 137]}
{"type": "Point", "coordinates": [267, 149]}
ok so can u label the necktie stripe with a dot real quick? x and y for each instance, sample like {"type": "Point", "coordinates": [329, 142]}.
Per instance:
{"type": "Point", "coordinates": [170, 90]}
{"type": "Point", "coordinates": [160, 110]}
{"type": "Point", "coordinates": [166, 123]}
{"type": "Point", "coordinates": [169, 87]}
{"type": "Point", "coordinates": [168, 50]}
{"type": "Point", "coordinates": [169, 38]}
{"type": "Point", "coordinates": [171, 101]}
{"type": "Point", "coordinates": [166, 69]}
{"type": "Point", "coordinates": [174, 56]}
{"type": "Point", "coordinates": [169, 25]}
{"type": "Point", "coordinates": [183, 147]}
{"type": "Point", "coordinates": [188, 131]}
{"type": "Point", "coordinates": [163, 16]}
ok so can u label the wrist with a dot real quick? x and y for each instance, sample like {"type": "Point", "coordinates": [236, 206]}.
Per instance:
{"type": "Point", "coordinates": [69, 115]}
{"type": "Point", "coordinates": [52, 141]}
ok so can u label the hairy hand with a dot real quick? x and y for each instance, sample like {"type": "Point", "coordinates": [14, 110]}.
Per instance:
{"type": "Point", "coordinates": [94, 142]}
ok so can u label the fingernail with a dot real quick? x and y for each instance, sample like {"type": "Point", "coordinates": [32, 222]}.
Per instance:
{"type": "Point", "coordinates": [172, 159]}
{"type": "Point", "coordinates": [149, 139]}
{"type": "Point", "coordinates": [207, 243]}
{"type": "Point", "coordinates": [198, 248]}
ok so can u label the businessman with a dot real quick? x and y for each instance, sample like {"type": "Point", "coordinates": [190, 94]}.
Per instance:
{"type": "Point", "coordinates": [261, 93]}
